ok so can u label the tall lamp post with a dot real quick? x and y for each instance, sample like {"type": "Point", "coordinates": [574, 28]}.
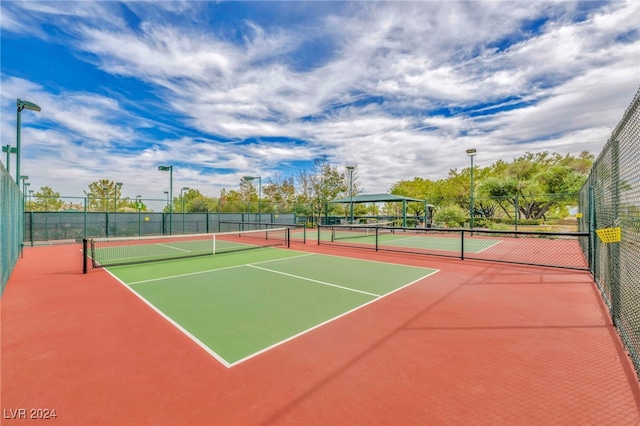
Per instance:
{"type": "Point", "coordinates": [250, 178]}
{"type": "Point", "coordinates": [25, 184]}
{"type": "Point", "coordinates": [170, 170]}
{"type": "Point", "coordinates": [139, 207]}
{"type": "Point", "coordinates": [21, 105]}
{"type": "Point", "coordinates": [350, 168]}
{"type": "Point", "coordinates": [9, 150]}
{"type": "Point", "coordinates": [117, 186]}
{"type": "Point", "coordinates": [182, 199]}
{"type": "Point", "coordinates": [115, 196]}
{"type": "Point", "coordinates": [471, 153]}
{"type": "Point", "coordinates": [105, 200]}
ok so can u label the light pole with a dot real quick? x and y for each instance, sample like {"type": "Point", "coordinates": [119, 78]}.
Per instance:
{"type": "Point", "coordinates": [471, 153]}
{"type": "Point", "coordinates": [105, 199]}
{"type": "Point", "coordinates": [115, 196]}
{"type": "Point", "coordinates": [25, 184]}
{"type": "Point", "coordinates": [30, 195]}
{"type": "Point", "coordinates": [350, 168]}
{"type": "Point", "coordinates": [117, 186]}
{"type": "Point", "coordinates": [182, 199]}
{"type": "Point", "coordinates": [170, 170]}
{"type": "Point", "coordinates": [21, 105]}
{"type": "Point", "coordinates": [139, 207]}
{"type": "Point", "coordinates": [9, 150]}
{"type": "Point", "coordinates": [250, 178]}
{"type": "Point", "coordinates": [24, 180]}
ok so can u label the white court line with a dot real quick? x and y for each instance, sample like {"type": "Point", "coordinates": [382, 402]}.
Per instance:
{"type": "Point", "coordinates": [314, 281]}
{"type": "Point", "coordinates": [487, 248]}
{"type": "Point", "coordinates": [175, 248]}
{"type": "Point", "coordinates": [214, 270]}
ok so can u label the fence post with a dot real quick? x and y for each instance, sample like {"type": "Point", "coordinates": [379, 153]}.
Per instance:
{"type": "Point", "coordinates": [85, 217]}
{"type": "Point", "coordinates": [591, 220]}
{"type": "Point", "coordinates": [614, 248]}
{"type": "Point", "coordinates": [31, 227]}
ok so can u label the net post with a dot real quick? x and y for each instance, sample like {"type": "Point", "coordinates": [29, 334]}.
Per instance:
{"type": "Point", "coordinates": [288, 233]}
{"type": "Point", "coordinates": [462, 245]}
{"type": "Point", "coordinates": [84, 255]}
{"type": "Point", "coordinates": [318, 234]}
{"type": "Point", "coordinates": [377, 234]}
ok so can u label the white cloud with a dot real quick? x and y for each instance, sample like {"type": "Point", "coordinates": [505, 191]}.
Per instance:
{"type": "Point", "coordinates": [412, 57]}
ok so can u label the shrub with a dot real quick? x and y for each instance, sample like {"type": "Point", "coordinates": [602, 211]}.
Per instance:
{"type": "Point", "coordinates": [452, 216]}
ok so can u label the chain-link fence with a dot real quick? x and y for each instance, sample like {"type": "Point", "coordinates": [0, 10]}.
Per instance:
{"type": "Point", "coordinates": [610, 199]}
{"type": "Point", "coordinates": [73, 226]}
{"type": "Point", "coordinates": [10, 226]}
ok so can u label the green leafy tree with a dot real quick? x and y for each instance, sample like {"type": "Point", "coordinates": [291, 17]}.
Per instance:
{"type": "Point", "coordinates": [105, 195]}
{"type": "Point", "coordinates": [453, 216]}
{"type": "Point", "coordinates": [323, 183]}
{"type": "Point", "coordinates": [45, 200]}
{"type": "Point", "coordinates": [531, 177]}
{"type": "Point", "coordinates": [231, 201]}
{"type": "Point", "coordinates": [280, 194]}
{"type": "Point", "coordinates": [188, 197]}
{"type": "Point", "coordinates": [422, 189]}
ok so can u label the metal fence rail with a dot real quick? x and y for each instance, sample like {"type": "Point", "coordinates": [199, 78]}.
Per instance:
{"type": "Point", "coordinates": [10, 214]}
{"type": "Point", "coordinates": [610, 198]}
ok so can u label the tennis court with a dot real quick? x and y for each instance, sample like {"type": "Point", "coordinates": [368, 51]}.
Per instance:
{"type": "Point", "coordinates": [401, 238]}
{"type": "Point", "coordinates": [238, 305]}
{"type": "Point", "coordinates": [314, 334]}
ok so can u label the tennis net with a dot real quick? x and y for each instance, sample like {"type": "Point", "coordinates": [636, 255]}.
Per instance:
{"type": "Point", "coordinates": [343, 232]}
{"type": "Point", "coordinates": [103, 252]}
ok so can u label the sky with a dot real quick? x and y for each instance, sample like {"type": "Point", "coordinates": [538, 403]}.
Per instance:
{"type": "Point", "coordinates": [220, 90]}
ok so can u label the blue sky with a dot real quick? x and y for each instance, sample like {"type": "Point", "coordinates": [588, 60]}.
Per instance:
{"type": "Point", "coordinates": [222, 90]}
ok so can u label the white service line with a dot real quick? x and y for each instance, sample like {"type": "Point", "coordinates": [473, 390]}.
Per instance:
{"type": "Point", "coordinates": [174, 248]}
{"type": "Point", "coordinates": [315, 281]}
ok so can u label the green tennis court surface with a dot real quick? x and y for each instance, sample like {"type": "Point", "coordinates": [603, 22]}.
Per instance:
{"type": "Point", "coordinates": [405, 239]}
{"type": "Point", "coordinates": [237, 305]}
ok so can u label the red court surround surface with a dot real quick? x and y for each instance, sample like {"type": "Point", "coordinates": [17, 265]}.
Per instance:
{"type": "Point", "coordinates": [476, 343]}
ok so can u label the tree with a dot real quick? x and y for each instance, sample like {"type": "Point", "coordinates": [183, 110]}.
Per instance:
{"type": "Point", "coordinates": [423, 189]}
{"type": "Point", "coordinates": [105, 195]}
{"type": "Point", "coordinates": [320, 185]}
{"type": "Point", "coordinates": [231, 201]}
{"type": "Point", "coordinates": [45, 200]}
{"type": "Point", "coordinates": [189, 196]}
{"type": "Point", "coordinates": [280, 193]}
{"type": "Point", "coordinates": [532, 177]}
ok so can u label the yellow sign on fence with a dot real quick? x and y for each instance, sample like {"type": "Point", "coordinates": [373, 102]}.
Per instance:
{"type": "Point", "coordinates": [609, 235]}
